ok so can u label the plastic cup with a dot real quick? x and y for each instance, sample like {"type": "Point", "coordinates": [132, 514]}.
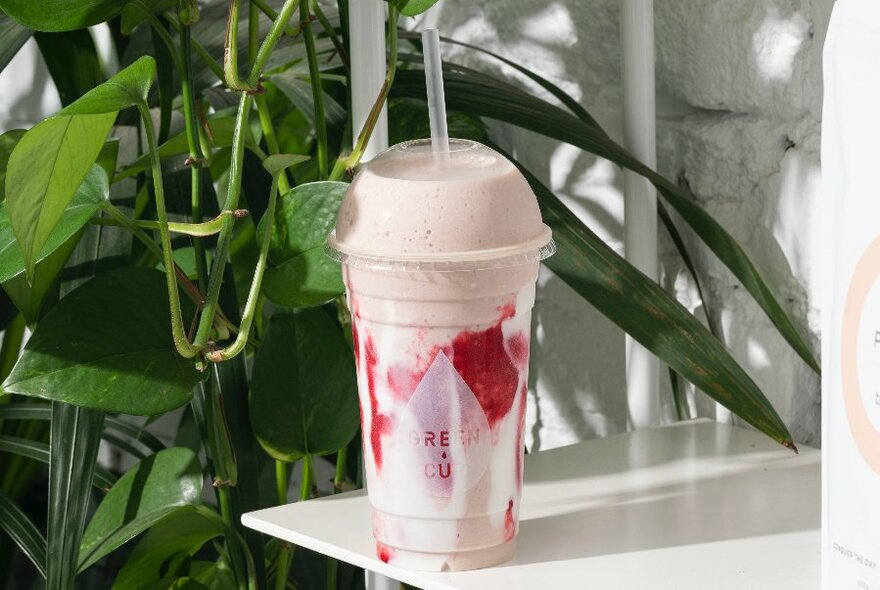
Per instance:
{"type": "Point", "coordinates": [440, 264]}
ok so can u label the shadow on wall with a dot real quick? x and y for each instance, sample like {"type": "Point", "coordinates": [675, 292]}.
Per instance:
{"type": "Point", "coordinates": [577, 382]}
{"type": "Point", "coordinates": [738, 83]}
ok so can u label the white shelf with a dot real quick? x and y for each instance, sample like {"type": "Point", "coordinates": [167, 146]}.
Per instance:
{"type": "Point", "coordinates": [694, 506]}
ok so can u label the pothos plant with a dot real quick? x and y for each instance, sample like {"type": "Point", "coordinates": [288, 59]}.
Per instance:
{"type": "Point", "coordinates": [162, 237]}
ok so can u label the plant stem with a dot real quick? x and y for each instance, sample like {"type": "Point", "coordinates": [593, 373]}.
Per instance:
{"type": "Point", "coordinates": [239, 567]}
{"type": "Point", "coordinates": [235, 168]}
{"type": "Point", "coordinates": [317, 91]}
{"type": "Point", "coordinates": [119, 218]}
{"type": "Point", "coordinates": [281, 481]}
{"type": "Point", "coordinates": [278, 26]}
{"type": "Point", "coordinates": [204, 229]}
{"type": "Point", "coordinates": [332, 566]}
{"type": "Point", "coordinates": [232, 194]}
{"type": "Point", "coordinates": [271, 139]}
{"type": "Point", "coordinates": [344, 164]}
{"type": "Point", "coordinates": [285, 552]}
{"type": "Point", "coordinates": [200, 50]}
{"type": "Point", "coordinates": [305, 486]}
{"type": "Point", "coordinates": [184, 347]}
{"type": "Point", "coordinates": [341, 460]}
{"type": "Point", "coordinates": [162, 32]}
{"type": "Point", "coordinates": [331, 32]}
{"type": "Point", "coordinates": [270, 12]}
{"type": "Point", "coordinates": [250, 306]}
{"type": "Point", "coordinates": [230, 50]}
{"type": "Point", "coordinates": [195, 295]}
{"type": "Point", "coordinates": [195, 157]}
{"type": "Point", "coordinates": [283, 570]}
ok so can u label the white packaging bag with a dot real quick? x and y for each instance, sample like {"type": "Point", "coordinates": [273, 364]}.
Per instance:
{"type": "Point", "coordinates": [851, 328]}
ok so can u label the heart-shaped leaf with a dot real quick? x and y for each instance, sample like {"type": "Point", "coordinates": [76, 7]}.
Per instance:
{"type": "Point", "coordinates": [45, 168]}
{"type": "Point", "coordinates": [29, 298]}
{"type": "Point", "coordinates": [303, 390]}
{"type": "Point", "coordinates": [299, 273]}
{"type": "Point", "coordinates": [51, 159]}
{"type": "Point", "coordinates": [61, 15]}
{"type": "Point", "coordinates": [108, 345]}
{"type": "Point", "coordinates": [147, 493]}
{"type": "Point", "coordinates": [130, 87]}
{"type": "Point", "coordinates": [184, 532]}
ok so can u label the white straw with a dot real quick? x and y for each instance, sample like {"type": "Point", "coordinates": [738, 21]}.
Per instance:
{"type": "Point", "coordinates": [436, 97]}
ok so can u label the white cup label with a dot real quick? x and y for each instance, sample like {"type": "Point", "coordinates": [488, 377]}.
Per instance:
{"type": "Point", "coordinates": [445, 433]}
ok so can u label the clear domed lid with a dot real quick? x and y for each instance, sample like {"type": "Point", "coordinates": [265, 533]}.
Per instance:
{"type": "Point", "coordinates": [471, 209]}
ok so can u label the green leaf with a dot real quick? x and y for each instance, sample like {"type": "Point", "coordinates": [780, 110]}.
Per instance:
{"type": "Point", "coordinates": [278, 163]}
{"type": "Point", "coordinates": [183, 532]}
{"type": "Point", "coordinates": [185, 258]}
{"type": "Point", "coordinates": [132, 433]}
{"type": "Point", "coordinates": [61, 15]}
{"type": "Point", "coordinates": [650, 315]}
{"type": "Point", "coordinates": [24, 532]}
{"type": "Point", "coordinates": [107, 157]}
{"type": "Point", "coordinates": [563, 97]}
{"type": "Point", "coordinates": [72, 61]}
{"type": "Point", "coordinates": [299, 92]}
{"type": "Point", "coordinates": [187, 583]}
{"type": "Point", "coordinates": [136, 433]}
{"type": "Point", "coordinates": [216, 575]}
{"type": "Point", "coordinates": [148, 492]}
{"type": "Point", "coordinates": [73, 440]}
{"type": "Point", "coordinates": [485, 96]}
{"type": "Point", "coordinates": [51, 160]}
{"type": "Point", "coordinates": [29, 298]}
{"type": "Point", "coordinates": [7, 143]}
{"type": "Point", "coordinates": [299, 273]}
{"type": "Point", "coordinates": [130, 87]}
{"type": "Point", "coordinates": [413, 7]}
{"type": "Point", "coordinates": [133, 14]}
{"type": "Point", "coordinates": [108, 345]}
{"type": "Point", "coordinates": [408, 119]}
{"type": "Point", "coordinates": [45, 168]}
{"type": "Point", "coordinates": [310, 406]}
{"type": "Point", "coordinates": [38, 451]}
{"type": "Point", "coordinates": [76, 431]}
{"type": "Point", "coordinates": [12, 36]}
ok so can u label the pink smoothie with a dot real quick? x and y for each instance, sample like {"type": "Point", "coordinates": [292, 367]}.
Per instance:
{"type": "Point", "coordinates": [440, 264]}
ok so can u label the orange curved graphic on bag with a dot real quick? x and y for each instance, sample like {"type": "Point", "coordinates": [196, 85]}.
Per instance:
{"type": "Point", "coordinates": [864, 432]}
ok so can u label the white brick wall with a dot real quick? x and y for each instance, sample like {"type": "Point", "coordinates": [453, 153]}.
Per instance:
{"type": "Point", "coordinates": [739, 100]}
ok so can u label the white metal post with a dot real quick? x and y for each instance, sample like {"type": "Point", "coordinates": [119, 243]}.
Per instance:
{"type": "Point", "coordinates": [366, 22]}
{"type": "Point", "coordinates": [640, 200]}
